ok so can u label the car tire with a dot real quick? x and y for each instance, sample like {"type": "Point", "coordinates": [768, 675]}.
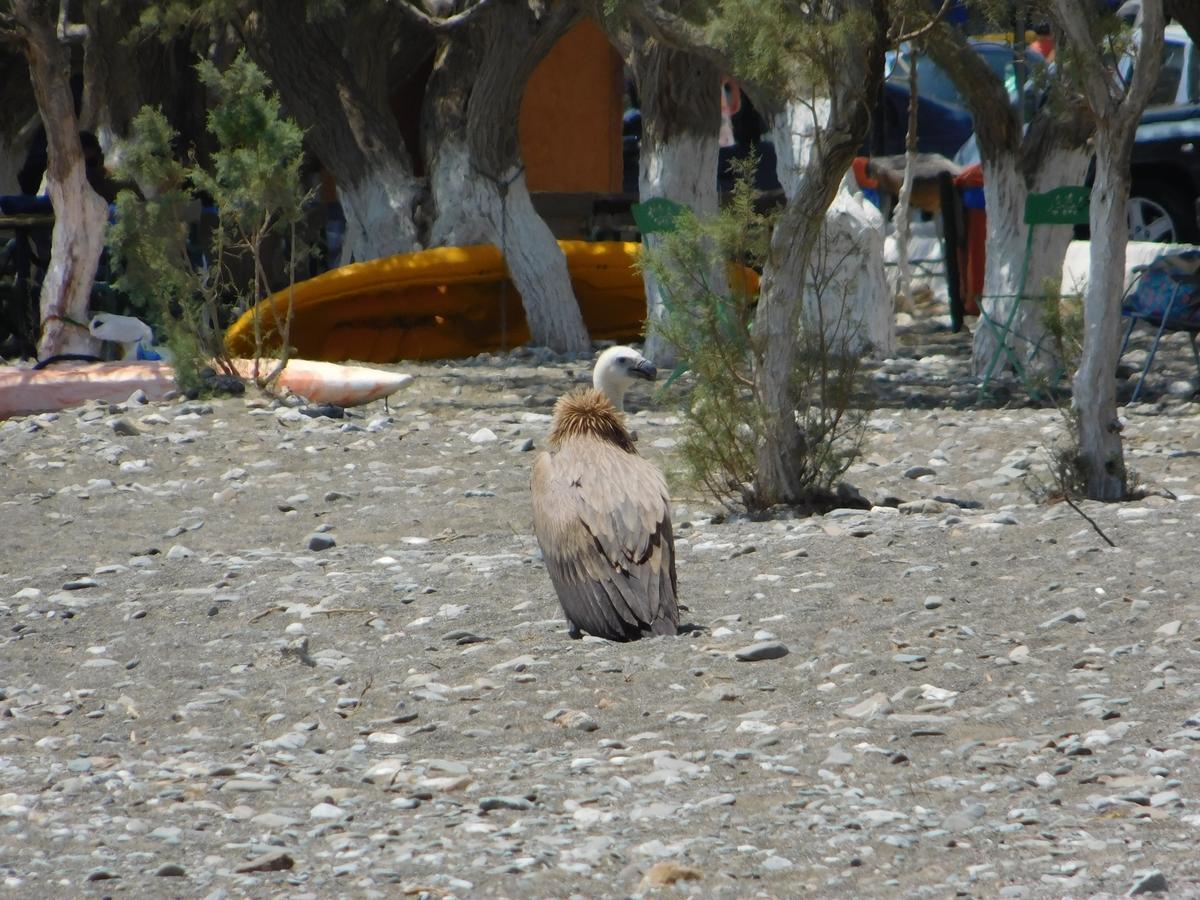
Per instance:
{"type": "Point", "coordinates": [1159, 213]}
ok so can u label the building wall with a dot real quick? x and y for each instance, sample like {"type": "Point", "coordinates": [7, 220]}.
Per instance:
{"type": "Point", "coordinates": [571, 115]}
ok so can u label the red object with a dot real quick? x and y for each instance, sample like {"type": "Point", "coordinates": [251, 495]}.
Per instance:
{"type": "Point", "coordinates": [860, 173]}
{"type": "Point", "coordinates": [972, 252]}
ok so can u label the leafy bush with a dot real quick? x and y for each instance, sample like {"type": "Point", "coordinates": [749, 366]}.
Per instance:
{"type": "Point", "coordinates": [254, 183]}
{"type": "Point", "coordinates": [709, 322]}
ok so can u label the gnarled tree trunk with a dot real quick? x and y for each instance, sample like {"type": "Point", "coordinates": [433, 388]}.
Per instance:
{"type": "Point", "coordinates": [1050, 153]}
{"type": "Point", "coordinates": [121, 76]}
{"type": "Point", "coordinates": [477, 177]}
{"type": "Point", "coordinates": [1006, 189]}
{"type": "Point", "coordinates": [1116, 111]}
{"type": "Point", "coordinates": [350, 129]}
{"type": "Point", "coordinates": [681, 119]}
{"type": "Point", "coordinates": [81, 216]}
{"type": "Point", "coordinates": [845, 296]}
{"type": "Point", "coordinates": [810, 185]}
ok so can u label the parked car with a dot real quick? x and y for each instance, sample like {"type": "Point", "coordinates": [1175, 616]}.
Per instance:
{"type": "Point", "coordinates": [943, 122]}
{"type": "Point", "coordinates": [1164, 192]}
{"type": "Point", "coordinates": [1165, 167]}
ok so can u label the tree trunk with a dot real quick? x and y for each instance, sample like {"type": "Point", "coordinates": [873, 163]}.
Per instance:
{"type": "Point", "coordinates": [1117, 112]}
{"type": "Point", "coordinates": [845, 288]}
{"type": "Point", "coordinates": [1006, 190]}
{"type": "Point", "coordinates": [357, 140]}
{"type": "Point", "coordinates": [477, 178]}
{"type": "Point", "coordinates": [681, 118]}
{"type": "Point", "coordinates": [1095, 389]}
{"type": "Point", "coordinates": [813, 182]}
{"type": "Point", "coordinates": [1050, 153]}
{"type": "Point", "coordinates": [121, 77]}
{"type": "Point", "coordinates": [904, 201]}
{"type": "Point", "coordinates": [81, 216]}
{"type": "Point", "coordinates": [1187, 14]}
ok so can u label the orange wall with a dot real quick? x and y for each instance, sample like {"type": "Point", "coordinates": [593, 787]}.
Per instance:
{"type": "Point", "coordinates": [571, 115]}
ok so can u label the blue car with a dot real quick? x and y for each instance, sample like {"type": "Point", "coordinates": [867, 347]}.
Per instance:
{"type": "Point", "coordinates": [943, 122]}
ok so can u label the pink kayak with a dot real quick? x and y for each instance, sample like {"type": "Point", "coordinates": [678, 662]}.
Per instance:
{"type": "Point", "coordinates": [24, 390]}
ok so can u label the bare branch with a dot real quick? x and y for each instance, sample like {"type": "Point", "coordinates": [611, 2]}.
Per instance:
{"type": "Point", "coordinates": [1071, 503]}
{"type": "Point", "coordinates": [924, 29]}
{"type": "Point", "coordinates": [996, 121]}
{"type": "Point", "coordinates": [68, 33]}
{"type": "Point", "coordinates": [440, 23]}
{"type": "Point", "coordinates": [1104, 92]}
{"type": "Point", "coordinates": [1149, 61]}
{"type": "Point", "coordinates": [676, 31]}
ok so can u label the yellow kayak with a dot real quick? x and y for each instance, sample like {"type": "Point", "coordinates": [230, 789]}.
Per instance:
{"type": "Point", "coordinates": [442, 303]}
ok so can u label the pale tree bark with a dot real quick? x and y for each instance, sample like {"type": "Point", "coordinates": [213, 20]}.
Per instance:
{"type": "Point", "coordinates": [845, 296]}
{"type": "Point", "coordinates": [477, 181]}
{"type": "Point", "coordinates": [678, 157]}
{"type": "Point", "coordinates": [811, 187]}
{"type": "Point", "coordinates": [351, 129]}
{"type": "Point", "coordinates": [1051, 153]}
{"type": "Point", "coordinates": [1117, 111]}
{"type": "Point", "coordinates": [904, 200]}
{"type": "Point", "coordinates": [81, 216]}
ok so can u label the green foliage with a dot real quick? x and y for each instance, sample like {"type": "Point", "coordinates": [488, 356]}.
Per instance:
{"type": "Point", "coordinates": [1063, 321]}
{"type": "Point", "coordinates": [709, 322]}
{"type": "Point", "coordinates": [254, 183]}
{"type": "Point", "coordinates": [779, 45]}
{"type": "Point", "coordinates": [709, 325]}
{"type": "Point", "coordinates": [149, 246]}
{"type": "Point", "coordinates": [255, 170]}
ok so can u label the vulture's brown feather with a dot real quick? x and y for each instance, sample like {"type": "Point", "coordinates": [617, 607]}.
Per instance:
{"type": "Point", "coordinates": [603, 520]}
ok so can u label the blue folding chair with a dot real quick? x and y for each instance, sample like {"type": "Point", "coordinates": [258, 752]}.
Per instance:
{"type": "Point", "coordinates": [1167, 296]}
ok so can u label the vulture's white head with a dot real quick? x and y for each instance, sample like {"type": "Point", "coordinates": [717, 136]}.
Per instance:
{"type": "Point", "coordinates": [617, 369]}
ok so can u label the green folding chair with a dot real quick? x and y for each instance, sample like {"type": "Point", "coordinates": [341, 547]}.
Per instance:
{"type": "Point", "coordinates": [1060, 206]}
{"type": "Point", "coordinates": [657, 215]}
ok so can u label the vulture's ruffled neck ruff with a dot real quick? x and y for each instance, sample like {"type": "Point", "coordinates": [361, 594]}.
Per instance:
{"type": "Point", "coordinates": [588, 413]}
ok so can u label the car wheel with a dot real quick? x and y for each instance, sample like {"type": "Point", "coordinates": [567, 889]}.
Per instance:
{"type": "Point", "coordinates": [1157, 214]}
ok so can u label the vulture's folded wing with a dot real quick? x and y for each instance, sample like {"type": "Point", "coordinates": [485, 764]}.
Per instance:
{"type": "Point", "coordinates": [602, 518]}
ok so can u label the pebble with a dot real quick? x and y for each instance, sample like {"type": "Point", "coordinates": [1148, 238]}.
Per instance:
{"type": "Point", "coordinates": [318, 542]}
{"type": "Point", "coordinates": [760, 650]}
{"type": "Point", "coordinates": [1069, 617]}
{"type": "Point", "coordinates": [322, 733]}
{"type": "Point", "coordinates": [488, 804]}
{"type": "Point", "coordinates": [325, 811]}
{"type": "Point", "coordinates": [271, 861]}
{"type": "Point", "coordinates": [1152, 882]}
{"type": "Point", "coordinates": [483, 436]}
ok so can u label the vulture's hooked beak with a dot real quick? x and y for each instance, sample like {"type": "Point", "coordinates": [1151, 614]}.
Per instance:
{"type": "Point", "coordinates": [644, 369]}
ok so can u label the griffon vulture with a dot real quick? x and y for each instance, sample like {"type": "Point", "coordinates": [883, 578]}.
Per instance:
{"type": "Point", "coordinates": [602, 514]}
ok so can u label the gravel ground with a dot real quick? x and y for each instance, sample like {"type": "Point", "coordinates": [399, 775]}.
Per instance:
{"type": "Point", "coordinates": [245, 652]}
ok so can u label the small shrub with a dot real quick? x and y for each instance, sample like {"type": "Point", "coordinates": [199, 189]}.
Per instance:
{"type": "Point", "coordinates": [709, 323]}
{"type": "Point", "coordinates": [253, 181]}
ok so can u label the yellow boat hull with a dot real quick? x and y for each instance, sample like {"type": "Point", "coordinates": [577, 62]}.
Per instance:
{"type": "Point", "coordinates": [443, 303]}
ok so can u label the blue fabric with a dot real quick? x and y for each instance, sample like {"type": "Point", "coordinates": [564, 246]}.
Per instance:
{"type": "Point", "coordinates": [146, 353]}
{"type": "Point", "coordinates": [25, 205]}
{"type": "Point", "coordinates": [1172, 275]}
{"type": "Point", "coordinates": [973, 198]}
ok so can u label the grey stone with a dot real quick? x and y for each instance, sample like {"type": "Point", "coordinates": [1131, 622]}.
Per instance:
{"type": "Point", "coordinates": [487, 804]}
{"type": "Point", "coordinates": [761, 650]}
{"type": "Point", "coordinates": [319, 542]}
{"type": "Point", "coordinates": [1069, 617]}
{"type": "Point", "coordinates": [1152, 882]}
